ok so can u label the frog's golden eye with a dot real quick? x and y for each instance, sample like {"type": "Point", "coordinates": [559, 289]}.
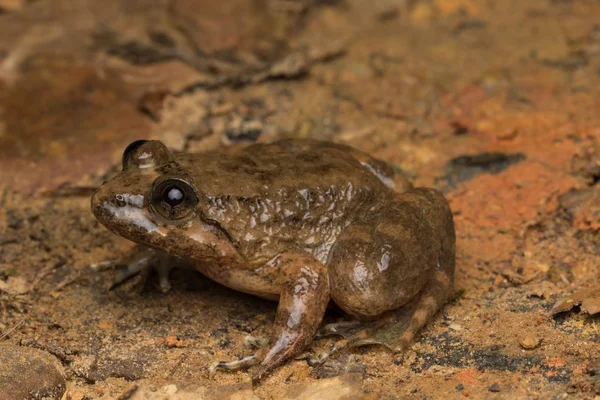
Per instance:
{"type": "Point", "coordinates": [173, 199]}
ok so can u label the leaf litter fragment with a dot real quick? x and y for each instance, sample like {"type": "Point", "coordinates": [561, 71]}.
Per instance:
{"type": "Point", "coordinates": [587, 299]}
{"type": "Point", "coordinates": [15, 285]}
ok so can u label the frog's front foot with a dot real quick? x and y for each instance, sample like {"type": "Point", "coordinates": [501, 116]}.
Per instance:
{"type": "Point", "coordinates": [142, 261]}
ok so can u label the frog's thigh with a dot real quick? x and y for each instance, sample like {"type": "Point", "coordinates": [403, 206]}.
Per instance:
{"type": "Point", "coordinates": [382, 261]}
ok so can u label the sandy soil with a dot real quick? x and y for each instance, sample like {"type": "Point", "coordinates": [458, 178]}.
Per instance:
{"type": "Point", "coordinates": [495, 103]}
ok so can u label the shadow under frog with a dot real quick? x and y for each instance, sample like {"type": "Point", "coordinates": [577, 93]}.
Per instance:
{"type": "Point", "coordinates": [301, 222]}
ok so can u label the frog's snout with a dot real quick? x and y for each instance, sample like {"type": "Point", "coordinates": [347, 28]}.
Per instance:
{"type": "Point", "coordinates": [108, 206]}
{"type": "Point", "coordinates": [100, 205]}
{"type": "Point", "coordinates": [97, 203]}
{"type": "Point", "coordinates": [123, 213]}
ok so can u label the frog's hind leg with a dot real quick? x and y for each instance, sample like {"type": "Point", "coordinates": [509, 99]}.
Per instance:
{"type": "Point", "coordinates": [428, 302]}
{"type": "Point", "coordinates": [399, 256]}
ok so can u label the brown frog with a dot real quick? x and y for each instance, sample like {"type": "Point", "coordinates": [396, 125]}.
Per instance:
{"type": "Point", "coordinates": [301, 222]}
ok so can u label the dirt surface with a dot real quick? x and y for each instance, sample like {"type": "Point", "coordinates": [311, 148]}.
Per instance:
{"type": "Point", "coordinates": [495, 103]}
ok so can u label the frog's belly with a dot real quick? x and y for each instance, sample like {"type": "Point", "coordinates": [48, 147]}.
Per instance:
{"type": "Point", "coordinates": [257, 281]}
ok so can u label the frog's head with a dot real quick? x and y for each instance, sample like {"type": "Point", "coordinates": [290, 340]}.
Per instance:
{"type": "Point", "coordinates": [152, 201]}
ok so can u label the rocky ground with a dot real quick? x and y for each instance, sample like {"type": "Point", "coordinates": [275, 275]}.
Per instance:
{"type": "Point", "coordinates": [494, 103]}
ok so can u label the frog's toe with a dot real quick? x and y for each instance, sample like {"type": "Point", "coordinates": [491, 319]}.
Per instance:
{"type": "Point", "coordinates": [338, 346]}
{"type": "Point", "coordinates": [400, 350]}
{"type": "Point", "coordinates": [140, 263]}
{"type": "Point", "coordinates": [343, 328]}
{"type": "Point", "coordinates": [398, 358]}
{"type": "Point", "coordinates": [125, 273]}
{"type": "Point", "coordinates": [163, 270]}
{"type": "Point", "coordinates": [238, 365]}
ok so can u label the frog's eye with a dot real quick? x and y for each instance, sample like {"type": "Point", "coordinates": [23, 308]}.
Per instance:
{"type": "Point", "coordinates": [145, 154]}
{"type": "Point", "coordinates": [174, 199]}
{"type": "Point", "coordinates": [129, 151]}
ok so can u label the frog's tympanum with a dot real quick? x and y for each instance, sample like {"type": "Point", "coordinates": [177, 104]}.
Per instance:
{"type": "Point", "coordinates": [301, 222]}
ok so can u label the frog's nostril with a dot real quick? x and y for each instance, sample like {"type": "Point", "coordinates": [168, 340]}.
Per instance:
{"type": "Point", "coordinates": [120, 200]}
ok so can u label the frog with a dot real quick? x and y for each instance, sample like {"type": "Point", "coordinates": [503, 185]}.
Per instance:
{"type": "Point", "coordinates": [303, 222]}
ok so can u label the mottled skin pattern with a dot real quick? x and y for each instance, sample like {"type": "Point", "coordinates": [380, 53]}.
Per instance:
{"type": "Point", "coordinates": [298, 221]}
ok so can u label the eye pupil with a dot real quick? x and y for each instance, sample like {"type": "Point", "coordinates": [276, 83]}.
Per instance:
{"type": "Point", "coordinates": [173, 199]}
{"type": "Point", "coordinates": [174, 196]}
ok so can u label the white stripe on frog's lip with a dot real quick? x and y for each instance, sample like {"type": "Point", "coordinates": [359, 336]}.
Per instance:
{"type": "Point", "coordinates": [136, 200]}
{"type": "Point", "coordinates": [132, 215]}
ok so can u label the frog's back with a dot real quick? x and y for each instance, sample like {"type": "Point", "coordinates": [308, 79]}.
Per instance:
{"type": "Point", "coordinates": [270, 197]}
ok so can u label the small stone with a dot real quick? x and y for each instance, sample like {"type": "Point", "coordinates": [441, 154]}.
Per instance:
{"type": "Point", "coordinates": [571, 389]}
{"type": "Point", "coordinates": [460, 387]}
{"type": "Point", "coordinates": [508, 134]}
{"type": "Point", "coordinates": [494, 387]}
{"type": "Point", "coordinates": [15, 285]}
{"type": "Point", "coordinates": [593, 368]}
{"type": "Point", "coordinates": [455, 327]}
{"type": "Point", "coordinates": [529, 342]}
{"type": "Point", "coordinates": [499, 280]}
{"type": "Point", "coordinates": [30, 373]}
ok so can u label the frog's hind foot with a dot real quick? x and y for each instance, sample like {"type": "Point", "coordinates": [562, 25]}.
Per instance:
{"type": "Point", "coordinates": [354, 334]}
{"type": "Point", "coordinates": [433, 296]}
{"type": "Point", "coordinates": [337, 347]}
{"type": "Point", "coordinates": [337, 328]}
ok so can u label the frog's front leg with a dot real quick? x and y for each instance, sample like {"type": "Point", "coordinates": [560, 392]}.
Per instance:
{"type": "Point", "coordinates": [302, 302]}
{"type": "Point", "coordinates": [303, 285]}
{"type": "Point", "coordinates": [142, 260]}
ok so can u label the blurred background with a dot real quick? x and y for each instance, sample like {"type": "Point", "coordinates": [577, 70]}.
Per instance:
{"type": "Point", "coordinates": [493, 102]}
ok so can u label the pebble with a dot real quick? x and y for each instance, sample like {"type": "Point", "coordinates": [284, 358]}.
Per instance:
{"type": "Point", "coordinates": [455, 327]}
{"type": "Point", "coordinates": [529, 341]}
{"type": "Point", "coordinates": [30, 373]}
{"type": "Point", "coordinates": [494, 387]}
